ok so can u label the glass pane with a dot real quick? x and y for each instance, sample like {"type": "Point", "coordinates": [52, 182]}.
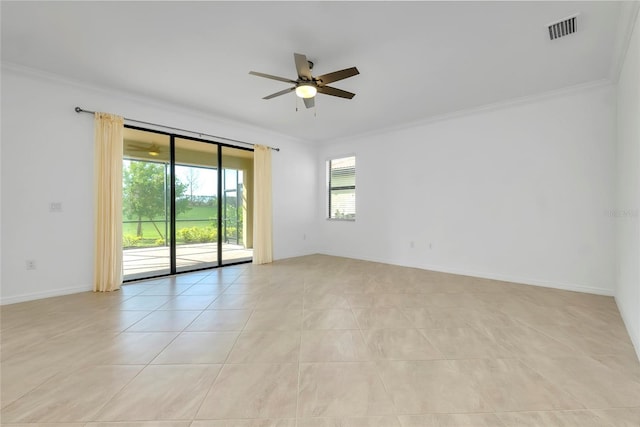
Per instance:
{"type": "Point", "coordinates": [145, 204]}
{"type": "Point", "coordinates": [237, 205]}
{"type": "Point", "coordinates": [343, 172]}
{"type": "Point", "coordinates": [343, 204]}
{"type": "Point", "coordinates": [196, 186]}
{"type": "Point", "coordinates": [342, 188]}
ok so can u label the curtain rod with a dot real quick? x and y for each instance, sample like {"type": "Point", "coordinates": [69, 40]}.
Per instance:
{"type": "Point", "coordinates": [81, 110]}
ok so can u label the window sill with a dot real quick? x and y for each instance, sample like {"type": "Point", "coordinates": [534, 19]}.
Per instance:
{"type": "Point", "coordinates": [342, 219]}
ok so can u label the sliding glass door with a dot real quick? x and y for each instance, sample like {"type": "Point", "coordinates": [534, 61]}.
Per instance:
{"type": "Point", "coordinates": [196, 202]}
{"type": "Point", "coordinates": [146, 214]}
{"type": "Point", "coordinates": [237, 207]}
{"type": "Point", "coordinates": [187, 204]}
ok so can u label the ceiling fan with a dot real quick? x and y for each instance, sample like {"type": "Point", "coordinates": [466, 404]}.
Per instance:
{"type": "Point", "coordinates": [306, 86]}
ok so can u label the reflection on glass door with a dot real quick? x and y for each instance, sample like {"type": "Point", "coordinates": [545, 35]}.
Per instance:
{"type": "Point", "coordinates": [146, 216]}
{"type": "Point", "coordinates": [237, 205]}
{"type": "Point", "coordinates": [196, 204]}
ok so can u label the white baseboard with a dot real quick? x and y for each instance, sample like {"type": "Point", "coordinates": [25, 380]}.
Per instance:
{"type": "Point", "coordinates": [74, 290]}
{"type": "Point", "coordinates": [283, 256]}
{"type": "Point", "coordinates": [526, 281]}
{"type": "Point", "coordinates": [43, 294]}
{"type": "Point", "coordinates": [493, 276]}
{"type": "Point", "coordinates": [463, 272]}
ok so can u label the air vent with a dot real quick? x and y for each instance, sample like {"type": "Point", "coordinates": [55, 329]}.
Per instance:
{"type": "Point", "coordinates": [563, 28]}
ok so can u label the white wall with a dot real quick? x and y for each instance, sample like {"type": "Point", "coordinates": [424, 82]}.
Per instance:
{"type": "Point", "coordinates": [520, 193]}
{"type": "Point", "coordinates": [628, 191]}
{"type": "Point", "coordinates": [47, 156]}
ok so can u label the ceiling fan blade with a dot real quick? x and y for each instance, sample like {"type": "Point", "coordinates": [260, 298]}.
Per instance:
{"type": "Point", "coordinates": [269, 76]}
{"type": "Point", "coordinates": [309, 102]}
{"type": "Point", "coordinates": [282, 92]}
{"type": "Point", "coordinates": [325, 79]}
{"type": "Point", "coordinates": [327, 90]}
{"type": "Point", "coordinates": [302, 66]}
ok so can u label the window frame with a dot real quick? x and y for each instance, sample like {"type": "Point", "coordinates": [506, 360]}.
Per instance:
{"type": "Point", "coordinates": [328, 214]}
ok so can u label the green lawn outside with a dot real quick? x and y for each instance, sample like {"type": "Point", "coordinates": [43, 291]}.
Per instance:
{"type": "Point", "coordinates": [199, 212]}
{"type": "Point", "coordinates": [202, 217]}
{"type": "Point", "coordinates": [197, 216]}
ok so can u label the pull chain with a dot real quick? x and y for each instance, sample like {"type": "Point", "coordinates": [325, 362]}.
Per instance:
{"type": "Point", "coordinates": [315, 107]}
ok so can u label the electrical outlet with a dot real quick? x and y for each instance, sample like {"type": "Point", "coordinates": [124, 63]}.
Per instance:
{"type": "Point", "coordinates": [30, 264]}
{"type": "Point", "coordinates": [304, 236]}
{"type": "Point", "coordinates": [55, 207]}
{"type": "Point", "coordinates": [412, 244]}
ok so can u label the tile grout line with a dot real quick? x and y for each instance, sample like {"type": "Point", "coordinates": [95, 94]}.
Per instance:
{"type": "Point", "coordinates": [609, 367]}
{"type": "Point", "coordinates": [222, 365]}
{"type": "Point", "coordinates": [149, 363]}
{"type": "Point", "coordinates": [375, 364]}
{"type": "Point", "coordinates": [304, 289]}
{"type": "Point", "coordinates": [193, 419]}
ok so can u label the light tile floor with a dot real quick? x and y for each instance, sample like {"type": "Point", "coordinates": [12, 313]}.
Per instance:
{"type": "Point", "coordinates": [319, 341]}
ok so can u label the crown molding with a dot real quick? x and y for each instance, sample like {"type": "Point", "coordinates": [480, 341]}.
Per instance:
{"type": "Point", "coordinates": [58, 79]}
{"type": "Point", "coordinates": [500, 105]}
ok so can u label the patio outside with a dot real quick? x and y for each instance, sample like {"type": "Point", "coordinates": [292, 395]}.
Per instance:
{"type": "Point", "coordinates": [146, 262]}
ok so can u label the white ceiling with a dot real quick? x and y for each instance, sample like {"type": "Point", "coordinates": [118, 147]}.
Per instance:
{"type": "Point", "coordinates": [417, 59]}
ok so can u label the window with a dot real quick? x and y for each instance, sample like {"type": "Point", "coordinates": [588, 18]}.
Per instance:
{"type": "Point", "coordinates": [341, 174]}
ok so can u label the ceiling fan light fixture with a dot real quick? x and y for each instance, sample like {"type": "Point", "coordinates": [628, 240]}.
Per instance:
{"type": "Point", "coordinates": [306, 91]}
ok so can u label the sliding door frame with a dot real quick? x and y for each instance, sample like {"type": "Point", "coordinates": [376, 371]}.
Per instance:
{"type": "Point", "coordinates": [172, 202]}
{"type": "Point", "coordinates": [219, 224]}
{"type": "Point", "coordinates": [173, 251]}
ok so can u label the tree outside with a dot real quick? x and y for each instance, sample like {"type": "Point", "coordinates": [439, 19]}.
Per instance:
{"type": "Point", "coordinates": [145, 195]}
{"type": "Point", "coordinates": [192, 178]}
{"type": "Point", "coordinates": [146, 205]}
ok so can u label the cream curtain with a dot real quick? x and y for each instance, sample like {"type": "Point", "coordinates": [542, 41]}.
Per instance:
{"type": "Point", "coordinates": [108, 202]}
{"type": "Point", "coordinates": [262, 228]}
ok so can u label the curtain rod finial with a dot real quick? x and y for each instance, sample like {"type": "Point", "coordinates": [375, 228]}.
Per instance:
{"type": "Point", "coordinates": [78, 110]}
